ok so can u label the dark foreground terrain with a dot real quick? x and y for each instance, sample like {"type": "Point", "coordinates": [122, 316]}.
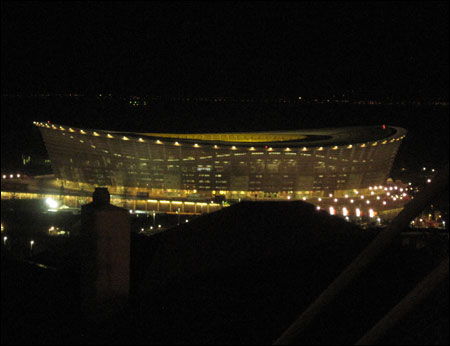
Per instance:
{"type": "Point", "coordinates": [238, 276]}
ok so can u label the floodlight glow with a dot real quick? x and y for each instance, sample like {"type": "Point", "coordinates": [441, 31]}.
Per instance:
{"type": "Point", "coordinates": [51, 203]}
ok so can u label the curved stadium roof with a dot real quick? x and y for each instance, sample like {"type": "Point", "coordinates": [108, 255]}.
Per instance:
{"type": "Point", "coordinates": [304, 138]}
{"type": "Point", "coordinates": [310, 137]}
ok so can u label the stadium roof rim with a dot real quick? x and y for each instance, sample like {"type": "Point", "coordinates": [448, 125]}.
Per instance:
{"type": "Point", "coordinates": [246, 137]}
{"type": "Point", "coordinates": [307, 137]}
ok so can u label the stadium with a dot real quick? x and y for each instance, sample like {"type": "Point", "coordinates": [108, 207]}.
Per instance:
{"type": "Point", "coordinates": [322, 163]}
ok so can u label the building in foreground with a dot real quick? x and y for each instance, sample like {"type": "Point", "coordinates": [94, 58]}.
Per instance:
{"type": "Point", "coordinates": [308, 164]}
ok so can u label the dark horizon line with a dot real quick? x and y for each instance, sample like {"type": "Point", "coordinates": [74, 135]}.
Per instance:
{"type": "Point", "coordinates": [353, 95]}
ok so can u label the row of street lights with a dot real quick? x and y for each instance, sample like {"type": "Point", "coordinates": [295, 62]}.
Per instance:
{"type": "Point", "coordinates": [5, 242]}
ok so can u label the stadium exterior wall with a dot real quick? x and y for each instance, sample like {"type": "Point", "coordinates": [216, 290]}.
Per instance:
{"type": "Point", "coordinates": [293, 164]}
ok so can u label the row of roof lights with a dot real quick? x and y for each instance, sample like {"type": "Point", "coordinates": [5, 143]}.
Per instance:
{"type": "Point", "coordinates": [350, 146]}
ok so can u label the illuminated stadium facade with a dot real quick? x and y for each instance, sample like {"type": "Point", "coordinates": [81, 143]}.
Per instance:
{"type": "Point", "coordinates": [278, 165]}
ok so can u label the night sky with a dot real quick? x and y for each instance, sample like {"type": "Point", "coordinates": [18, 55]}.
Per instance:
{"type": "Point", "coordinates": [392, 49]}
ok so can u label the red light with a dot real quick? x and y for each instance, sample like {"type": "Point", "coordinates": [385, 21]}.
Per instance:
{"type": "Point", "coordinates": [384, 127]}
